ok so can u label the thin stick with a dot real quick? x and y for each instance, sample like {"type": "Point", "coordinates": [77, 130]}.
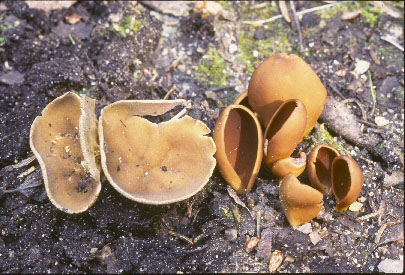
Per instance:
{"type": "Point", "coordinates": [179, 114]}
{"type": "Point", "coordinates": [261, 22]}
{"type": "Point", "coordinates": [24, 162]}
{"type": "Point", "coordinates": [170, 92]}
{"type": "Point", "coordinates": [394, 43]}
{"type": "Point", "coordinates": [297, 24]}
{"type": "Point", "coordinates": [258, 220]}
{"type": "Point", "coordinates": [382, 228]}
{"type": "Point", "coordinates": [178, 235]}
{"type": "Point", "coordinates": [363, 112]}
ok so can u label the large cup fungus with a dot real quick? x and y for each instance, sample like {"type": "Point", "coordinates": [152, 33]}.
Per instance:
{"type": "Point", "coordinates": [64, 140]}
{"type": "Point", "coordinates": [154, 163]}
{"type": "Point", "coordinates": [238, 137]}
{"type": "Point", "coordinates": [282, 77]}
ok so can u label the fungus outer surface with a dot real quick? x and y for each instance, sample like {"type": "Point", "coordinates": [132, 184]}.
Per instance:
{"type": "Point", "coordinates": [56, 142]}
{"type": "Point", "coordinates": [346, 181]}
{"type": "Point", "coordinates": [284, 131]}
{"type": "Point", "coordinates": [300, 203]}
{"type": "Point", "coordinates": [295, 166]}
{"type": "Point", "coordinates": [282, 77]}
{"type": "Point", "coordinates": [319, 167]}
{"type": "Point", "coordinates": [238, 137]}
{"type": "Point", "coordinates": [154, 163]}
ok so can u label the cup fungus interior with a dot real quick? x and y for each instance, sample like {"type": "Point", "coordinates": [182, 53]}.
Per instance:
{"type": "Point", "coordinates": [56, 143]}
{"type": "Point", "coordinates": [154, 163]}
{"type": "Point", "coordinates": [323, 163]}
{"type": "Point", "coordinates": [341, 178]}
{"type": "Point", "coordinates": [241, 143]}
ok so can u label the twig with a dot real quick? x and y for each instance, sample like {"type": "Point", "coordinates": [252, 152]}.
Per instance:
{"type": "Point", "coordinates": [297, 24]}
{"type": "Point", "coordinates": [174, 64]}
{"type": "Point", "coordinates": [258, 6]}
{"type": "Point", "coordinates": [258, 220]}
{"type": "Point", "coordinates": [24, 162]}
{"type": "Point", "coordinates": [26, 172]}
{"type": "Point", "coordinates": [179, 114]}
{"type": "Point", "coordinates": [371, 124]}
{"type": "Point", "coordinates": [382, 228]}
{"type": "Point", "coordinates": [178, 235]}
{"type": "Point", "coordinates": [170, 92]}
{"type": "Point", "coordinates": [261, 22]}
{"type": "Point", "coordinates": [336, 90]}
{"type": "Point", "coordinates": [376, 213]}
{"type": "Point", "coordinates": [363, 112]}
{"type": "Point", "coordinates": [392, 42]}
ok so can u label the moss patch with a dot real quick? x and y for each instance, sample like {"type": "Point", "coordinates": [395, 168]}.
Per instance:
{"type": "Point", "coordinates": [128, 26]}
{"type": "Point", "coordinates": [211, 70]}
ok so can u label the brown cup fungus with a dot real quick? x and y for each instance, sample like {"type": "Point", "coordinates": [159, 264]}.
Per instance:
{"type": "Point", "coordinates": [242, 99]}
{"type": "Point", "coordinates": [64, 140]}
{"type": "Point", "coordinates": [239, 141]}
{"type": "Point", "coordinates": [284, 131]}
{"type": "Point", "coordinates": [319, 167]}
{"type": "Point", "coordinates": [154, 163]}
{"type": "Point", "coordinates": [291, 165]}
{"type": "Point", "coordinates": [300, 203]}
{"type": "Point", "coordinates": [282, 77]}
{"type": "Point", "coordinates": [346, 181]}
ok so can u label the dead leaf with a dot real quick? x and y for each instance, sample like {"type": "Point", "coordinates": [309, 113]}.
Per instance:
{"type": "Point", "coordinates": [395, 178]}
{"type": "Point", "coordinates": [251, 243]}
{"type": "Point", "coordinates": [213, 96]}
{"type": "Point", "coordinates": [207, 8]}
{"type": "Point", "coordinates": [49, 5]}
{"type": "Point", "coordinates": [349, 15]}
{"type": "Point", "coordinates": [355, 206]}
{"type": "Point", "coordinates": [73, 18]}
{"type": "Point", "coordinates": [315, 238]}
{"type": "Point", "coordinates": [381, 121]}
{"type": "Point", "coordinates": [391, 11]}
{"type": "Point", "coordinates": [284, 11]}
{"type": "Point", "coordinates": [341, 73]}
{"type": "Point", "coordinates": [276, 260]}
{"type": "Point", "coordinates": [237, 200]}
{"type": "Point", "coordinates": [362, 66]}
{"type": "Point", "coordinates": [374, 57]}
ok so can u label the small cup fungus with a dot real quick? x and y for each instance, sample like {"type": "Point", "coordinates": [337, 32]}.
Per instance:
{"type": "Point", "coordinates": [242, 99]}
{"type": "Point", "coordinates": [282, 77]}
{"type": "Point", "coordinates": [64, 140]}
{"type": "Point", "coordinates": [300, 203]}
{"type": "Point", "coordinates": [284, 131]}
{"type": "Point", "coordinates": [154, 163]}
{"type": "Point", "coordinates": [319, 167]}
{"type": "Point", "coordinates": [291, 165]}
{"type": "Point", "coordinates": [346, 181]}
{"type": "Point", "coordinates": [239, 141]}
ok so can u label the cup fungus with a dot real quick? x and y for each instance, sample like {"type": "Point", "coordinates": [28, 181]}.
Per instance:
{"type": "Point", "coordinates": [319, 167]}
{"type": "Point", "coordinates": [64, 140]}
{"type": "Point", "coordinates": [239, 141]}
{"type": "Point", "coordinates": [154, 163]}
{"type": "Point", "coordinates": [346, 181]}
{"type": "Point", "coordinates": [282, 77]}
{"type": "Point", "coordinates": [284, 131]}
{"type": "Point", "coordinates": [300, 203]}
{"type": "Point", "coordinates": [291, 165]}
{"type": "Point", "coordinates": [242, 100]}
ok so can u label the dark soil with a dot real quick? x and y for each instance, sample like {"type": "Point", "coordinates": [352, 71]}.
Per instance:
{"type": "Point", "coordinates": [43, 56]}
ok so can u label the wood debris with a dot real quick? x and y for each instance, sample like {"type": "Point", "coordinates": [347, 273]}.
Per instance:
{"type": "Point", "coordinates": [382, 228]}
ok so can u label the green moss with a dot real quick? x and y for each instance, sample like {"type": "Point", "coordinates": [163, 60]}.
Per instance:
{"type": "Point", "coordinates": [124, 28]}
{"type": "Point", "coordinates": [227, 213]}
{"type": "Point", "coordinates": [211, 70]}
{"type": "Point", "coordinates": [326, 138]}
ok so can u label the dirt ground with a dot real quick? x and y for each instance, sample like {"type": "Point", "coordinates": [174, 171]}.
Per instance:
{"type": "Point", "coordinates": [143, 50]}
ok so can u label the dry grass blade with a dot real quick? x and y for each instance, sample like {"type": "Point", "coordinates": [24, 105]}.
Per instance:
{"type": "Point", "coordinates": [237, 200]}
{"type": "Point", "coordinates": [284, 11]}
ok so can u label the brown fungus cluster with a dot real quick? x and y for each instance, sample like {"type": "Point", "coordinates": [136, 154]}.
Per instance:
{"type": "Point", "coordinates": [146, 162]}
{"type": "Point", "coordinates": [287, 96]}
